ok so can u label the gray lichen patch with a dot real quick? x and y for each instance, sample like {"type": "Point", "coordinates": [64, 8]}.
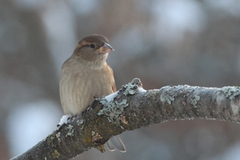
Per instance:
{"type": "Point", "coordinates": [167, 95]}
{"type": "Point", "coordinates": [70, 132]}
{"type": "Point", "coordinates": [113, 109]}
{"type": "Point", "coordinates": [220, 98]}
{"type": "Point", "coordinates": [235, 108]}
{"type": "Point", "coordinates": [186, 89]}
{"type": "Point", "coordinates": [50, 140]}
{"type": "Point", "coordinates": [194, 100]}
{"type": "Point", "coordinates": [231, 92]}
{"type": "Point", "coordinates": [130, 89]}
{"type": "Point", "coordinates": [58, 134]}
{"type": "Point", "coordinates": [133, 88]}
{"type": "Point", "coordinates": [80, 122]}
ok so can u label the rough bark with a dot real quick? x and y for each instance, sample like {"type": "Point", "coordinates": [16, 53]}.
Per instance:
{"type": "Point", "coordinates": [132, 108]}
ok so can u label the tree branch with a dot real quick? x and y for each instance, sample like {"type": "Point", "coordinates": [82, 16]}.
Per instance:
{"type": "Point", "coordinates": [130, 108]}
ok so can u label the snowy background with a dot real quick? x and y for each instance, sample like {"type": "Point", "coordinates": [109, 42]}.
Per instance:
{"type": "Point", "coordinates": [161, 42]}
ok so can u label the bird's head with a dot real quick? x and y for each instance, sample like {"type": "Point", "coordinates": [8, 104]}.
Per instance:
{"type": "Point", "coordinates": [93, 48]}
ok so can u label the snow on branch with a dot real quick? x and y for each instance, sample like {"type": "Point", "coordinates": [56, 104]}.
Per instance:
{"type": "Point", "coordinates": [131, 108]}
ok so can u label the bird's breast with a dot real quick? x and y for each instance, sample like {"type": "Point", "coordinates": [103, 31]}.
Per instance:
{"type": "Point", "coordinates": [79, 87]}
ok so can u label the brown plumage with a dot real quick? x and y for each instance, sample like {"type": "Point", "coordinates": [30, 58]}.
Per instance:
{"type": "Point", "coordinates": [86, 75]}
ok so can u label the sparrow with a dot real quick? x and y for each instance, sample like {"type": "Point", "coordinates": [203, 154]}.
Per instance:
{"type": "Point", "coordinates": [86, 75]}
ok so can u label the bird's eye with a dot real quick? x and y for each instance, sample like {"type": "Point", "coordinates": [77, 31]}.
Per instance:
{"type": "Point", "coordinates": [92, 45]}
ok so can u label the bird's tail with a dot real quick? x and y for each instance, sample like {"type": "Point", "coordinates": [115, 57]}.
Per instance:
{"type": "Point", "coordinates": [116, 143]}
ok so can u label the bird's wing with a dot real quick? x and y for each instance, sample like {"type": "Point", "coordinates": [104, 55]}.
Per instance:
{"type": "Point", "coordinates": [114, 88]}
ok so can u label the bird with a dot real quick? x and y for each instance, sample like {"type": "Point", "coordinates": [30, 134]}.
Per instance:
{"type": "Point", "coordinates": [86, 75]}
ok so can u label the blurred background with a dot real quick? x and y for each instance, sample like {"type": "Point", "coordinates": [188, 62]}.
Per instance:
{"type": "Point", "coordinates": [167, 42]}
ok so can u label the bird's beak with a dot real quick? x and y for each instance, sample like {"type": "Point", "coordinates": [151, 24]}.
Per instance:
{"type": "Point", "coordinates": [105, 48]}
